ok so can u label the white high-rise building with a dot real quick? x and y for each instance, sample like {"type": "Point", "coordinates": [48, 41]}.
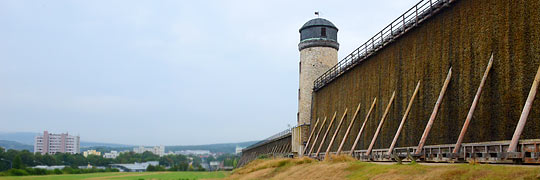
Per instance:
{"type": "Point", "coordinates": [49, 143]}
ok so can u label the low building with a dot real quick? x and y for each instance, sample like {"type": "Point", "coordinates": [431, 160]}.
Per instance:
{"type": "Point", "coordinates": [111, 155]}
{"type": "Point", "coordinates": [91, 152]}
{"type": "Point", "coordinates": [157, 150]}
{"type": "Point", "coordinates": [91, 167]}
{"type": "Point", "coordinates": [214, 165]}
{"type": "Point", "coordinates": [193, 152]}
{"type": "Point", "coordinates": [239, 150]}
{"type": "Point", "coordinates": [49, 143]}
{"type": "Point", "coordinates": [49, 167]}
{"type": "Point", "coordinates": [135, 167]}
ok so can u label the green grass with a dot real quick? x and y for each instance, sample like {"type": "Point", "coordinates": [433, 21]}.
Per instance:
{"type": "Point", "coordinates": [127, 176]}
{"type": "Point", "coordinates": [364, 170]}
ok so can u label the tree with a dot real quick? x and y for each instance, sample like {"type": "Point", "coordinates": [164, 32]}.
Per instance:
{"type": "Point", "coordinates": [27, 158]}
{"type": "Point", "coordinates": [150, 168]}
{"type": "Point", "coordinates": [17, 162]}
{"type": "Point", "coordinates": [49, 160]}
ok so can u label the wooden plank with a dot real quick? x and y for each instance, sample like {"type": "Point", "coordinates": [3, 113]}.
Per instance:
{"type": "Point", "coordinates": [316, 137]}
{"type": "Point", "coordinates": [524, 113]}
{"type": "Point", "coordinates": [368, 152]}
{"type": "Point", "coordinates": [391, 149]}
{"type": "Point", "coordinates": [362, 128]}
{"type": "Point", "coordinates": [348, 130]}
{"type": "Point", "coordinates": [434, 113]}
{"type": "Point", "coordinates": [335, 134]}
{"type": "Point", "coordinates": [326, 134]}
{"type": "Point", "coordinates": [310, 135]}
{"type": "Point", "coordinates": [473, 106]}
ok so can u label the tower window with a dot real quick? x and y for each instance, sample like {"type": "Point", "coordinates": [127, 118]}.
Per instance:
{"type": "Point", "coordinates": [323, 32]}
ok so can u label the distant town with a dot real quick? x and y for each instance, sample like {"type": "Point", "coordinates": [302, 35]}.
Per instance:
{"type": "Point", "coordinates": [58, 151]}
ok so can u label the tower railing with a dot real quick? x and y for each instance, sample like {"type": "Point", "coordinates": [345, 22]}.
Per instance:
{"type": "Point", "coordinates": [279, 135]}
{"type": "Point", "coordinates": [408, 20]}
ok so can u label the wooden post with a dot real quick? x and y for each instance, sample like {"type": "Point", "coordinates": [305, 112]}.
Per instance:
{"type": "Point", "coordinates": [326, 134]}
{"type": "Point", "coordinates": [316, 137]}
{"type": "Point", "coordinates": [403, 120]}
{"type": "Point", "coordinates": [368, 152]}
{"type": "Point", "coordinates": [348, 130]}
{"type": "Point", "coordinates": [473, 106]}
{"type": "Point", "coordinates": [434, 113]}
{"type": "Point", "coordinates": [335, 134]}
{"type": "Point", "coordinates": [310, 135]}
{"type": "Point", "coordinates": [524, 113]}
{"type": "Point", "coordinates": [362, 128]}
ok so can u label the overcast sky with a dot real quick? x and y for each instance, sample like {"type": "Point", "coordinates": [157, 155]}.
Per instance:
{"type": "Point", "coordinates": [164, 72]}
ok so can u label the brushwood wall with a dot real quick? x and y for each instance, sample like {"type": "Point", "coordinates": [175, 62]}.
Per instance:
{"type": "Point", "coordinates": [461, 36]}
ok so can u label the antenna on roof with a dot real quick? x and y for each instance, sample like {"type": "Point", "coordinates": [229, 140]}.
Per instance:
{"type": "Point", "coordinates": [317, 13]}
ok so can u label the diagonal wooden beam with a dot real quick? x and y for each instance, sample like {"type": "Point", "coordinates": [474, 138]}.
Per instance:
{"type": "Point", "coordinates": [473, 106]}
{"type": "Point", "coordinates": [524, 113]}
{"type": "Point", "coordinates": [311, 135]}
{"type": "Point", "coordinates": [316, 137]}
{"type": "Point", "coordinates": [326, 134]}
{"type": "Point", "coordinates": [335, 134]}
{"type": "Point", "coordinates": [403, 120]}
{"type": "Point", "coordinates": [362, 128]}
{"type": "Point", "coordinates": [368, 152]}
{"type": "Point", "coordinates": [434, 113]}
{"type": "Point", "coordinates": [348, 130]}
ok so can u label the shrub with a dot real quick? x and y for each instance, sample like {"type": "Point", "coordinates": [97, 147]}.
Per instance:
{"type": "Point", "coordinates": [17, 172]}
{"type": "Point", "coordinates": [38, 171]}
{"type": "Point", "coordinates": [264, 156]}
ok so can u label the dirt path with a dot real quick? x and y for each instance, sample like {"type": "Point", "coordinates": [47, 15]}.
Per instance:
{"type": "Point", "coordinates": [123, 175]}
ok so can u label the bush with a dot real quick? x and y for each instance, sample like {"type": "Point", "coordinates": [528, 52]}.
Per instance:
{"type": "Point", "coordinates": [264, 156]}
{"type": "Point", "coordinates": [67, 170]}
{"type": "Point", "coordinates": [111, 170]}
{"type": "Point", "coordinates": [17, 172]}
{"type": "Point", "coordinates": [38, 171]}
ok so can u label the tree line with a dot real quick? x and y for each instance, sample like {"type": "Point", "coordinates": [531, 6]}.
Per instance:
{"type": "Point", "coordinates": [20, 161]}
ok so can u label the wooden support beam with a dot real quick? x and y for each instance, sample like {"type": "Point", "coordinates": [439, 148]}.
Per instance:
{"type": "Point", "coordinates": [326, 134]}
{"type": "Point", "coordinates": [310, 135]}
{"type": "Point", "coordinates": [434, 113]}
{"type": "Point", "coordinates": [316, 137]}
{"type": "Point", "coordinates": [348, 130]}
{"type": "Point", "coordinates": [473, 106]}
{"type": "Point", "coordinates": [362, 128]}
{"type": "Point", "coordinates": [524, 113]}
{"type": "Point", "coordinates": [391, 149]}
{"type": "Point", "coordinates": [368, 152]}
{"type": "Point", "coordinates": [335, 134]}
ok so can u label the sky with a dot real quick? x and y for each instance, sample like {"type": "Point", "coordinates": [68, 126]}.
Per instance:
{"type": "Point", "coordinates": [160, 72]}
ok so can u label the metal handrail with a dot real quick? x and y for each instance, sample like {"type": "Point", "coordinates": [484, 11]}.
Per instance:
{"type": "Point", "coordinates": [411, 18]}
{"type": "Point", "coordinates": [279, 135]}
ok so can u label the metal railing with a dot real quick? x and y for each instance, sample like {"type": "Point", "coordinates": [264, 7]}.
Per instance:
{"type": "Point", "coordinates": [279, 135]}
{"type": "Point", "coordinates": [411, 18]}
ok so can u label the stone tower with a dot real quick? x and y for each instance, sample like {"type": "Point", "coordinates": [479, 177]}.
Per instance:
{"type": "Point", "coordinates": [318, 52]}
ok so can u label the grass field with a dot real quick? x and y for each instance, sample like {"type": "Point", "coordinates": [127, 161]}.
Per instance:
{"type": "Point", "coordinates": [130, 176]}
{"type": "Point", "coordinates": [343, 167]}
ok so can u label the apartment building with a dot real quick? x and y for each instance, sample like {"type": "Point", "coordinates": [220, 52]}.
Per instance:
{"type": "Point", "coordinates": [49, 143]}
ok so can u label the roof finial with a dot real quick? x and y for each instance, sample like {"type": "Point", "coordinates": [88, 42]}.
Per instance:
{"type": "Point", "coordinates": [317, 13]}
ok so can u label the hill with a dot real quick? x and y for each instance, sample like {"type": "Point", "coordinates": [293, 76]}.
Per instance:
{"type": "Point", "coordinates": [28, 139]}
{"type": "Point", "coordinates": [25, 140]}
{"type": "Point", "coordinates": [224, 147]}
{"type": "Point", "coordinates": [344, 167]}
{"type": "Point", "coordinates": [15, 145]}
{"type": "Point", "coordinates": [21, 137]}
